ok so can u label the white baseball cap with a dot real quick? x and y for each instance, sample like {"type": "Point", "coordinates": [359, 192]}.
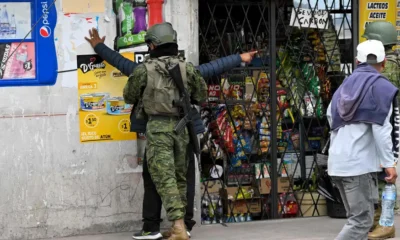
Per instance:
{"type": "Point", "coordinates": [371, 47]}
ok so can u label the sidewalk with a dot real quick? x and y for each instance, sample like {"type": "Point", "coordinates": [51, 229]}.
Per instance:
{"type": "Point", "coordinates": [300, 228]}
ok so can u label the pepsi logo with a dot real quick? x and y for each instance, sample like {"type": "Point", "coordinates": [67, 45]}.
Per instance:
{"type": "Point", "coordinates": [45, 31]}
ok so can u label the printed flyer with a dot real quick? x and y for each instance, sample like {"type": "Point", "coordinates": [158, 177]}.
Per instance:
{"type": "Point", "coordinates": [21, 64]}
{"type": "Point", "coordinates": [376, 10]}
{"type": "Point", "coordinates": [103, 113]}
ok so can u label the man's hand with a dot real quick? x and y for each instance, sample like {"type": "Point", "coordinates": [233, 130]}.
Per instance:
{"type": "Point", "coordinates": [247, 57]}
{"type": "Point", "coordinates": [94, 37]}
{"type": "Point", "coordinates": [391, 175]}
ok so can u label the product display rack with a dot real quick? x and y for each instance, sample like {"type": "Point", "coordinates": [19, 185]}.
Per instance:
{"type": "Point", "coordinates": [266, 124]}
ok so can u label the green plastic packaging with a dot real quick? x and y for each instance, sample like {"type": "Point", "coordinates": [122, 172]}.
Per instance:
{"type": "Point", "coordinates": [117, 5]}
{"type": "Point", "coordinates": [127, 21]}
{"type": "Point", "coordinates": [131, 39]}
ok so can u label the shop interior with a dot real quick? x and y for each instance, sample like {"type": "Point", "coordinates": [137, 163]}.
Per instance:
{"type": "Point", "coordinates": [264, 155]}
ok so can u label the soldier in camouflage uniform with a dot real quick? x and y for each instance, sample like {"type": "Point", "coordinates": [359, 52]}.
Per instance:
{"type": "Point", "coordinates": [151, 85]}
{"type": "Point", "coordinates": [387, 34]}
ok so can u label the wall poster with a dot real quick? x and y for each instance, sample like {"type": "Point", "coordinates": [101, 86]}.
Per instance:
{"type": "Point", "coordinates": [103, 113]}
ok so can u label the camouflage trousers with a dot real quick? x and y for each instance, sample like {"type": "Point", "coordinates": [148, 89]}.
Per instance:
{"type": "Point", "coordinates": [167, 163]}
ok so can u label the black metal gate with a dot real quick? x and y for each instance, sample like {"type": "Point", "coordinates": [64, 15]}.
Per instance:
{"type": "Point", "coordinates": [263, 152]}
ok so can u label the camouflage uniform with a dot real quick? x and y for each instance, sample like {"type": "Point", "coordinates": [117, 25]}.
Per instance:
{"type": "Point", "coordinates": [392, 68]}
{"type": "Point", "coordinates": [386, 33]}
{"type": "Point", "coordinates": [165, 150]}
{"type": "Point", "coordinates": [391, 72]}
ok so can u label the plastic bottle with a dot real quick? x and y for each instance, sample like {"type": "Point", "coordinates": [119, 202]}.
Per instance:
{"type": "Point", "coordinates": [155, 11]}
{"type": "Point", "coordinates": [13, 27]}
{"type": "Point", "coordinates": [22, 54]}
{"type": "Point", "coordinates": [228, 218]}
{"type": "Point", "coordinates": [204, 210]}
{"type": "Point", "coordinates": [5, 23]}
{"type": "Point", "coordinates": [248, 218]}
{"type": "Point", "coordinates": [388, 202]}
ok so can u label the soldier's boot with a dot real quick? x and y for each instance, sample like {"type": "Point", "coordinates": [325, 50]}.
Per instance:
{"type": "Point", "coordinates": [377, 216]}
{"type": "Point", "coordinates": [168, 233]}
{"type": "Point", "coordinates": [178, 231]}
{"type": "Point", "coordinates": [381, 233]}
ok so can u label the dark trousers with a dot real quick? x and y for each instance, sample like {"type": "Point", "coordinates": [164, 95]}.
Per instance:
{"type": "Point", "coordinates": [152, 203]}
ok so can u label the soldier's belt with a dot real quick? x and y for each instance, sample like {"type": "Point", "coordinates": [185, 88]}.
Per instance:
{"type": "Point", "coordinates": [164, 118]}
{"type": "Point", "coordinates": [139, 125]}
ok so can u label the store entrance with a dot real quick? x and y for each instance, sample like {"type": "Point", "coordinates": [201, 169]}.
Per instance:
{"type": "Point", "coordinates": [264, 151]}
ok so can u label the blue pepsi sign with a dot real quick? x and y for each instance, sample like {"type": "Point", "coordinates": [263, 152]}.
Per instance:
{"type": "Point", "coordinates": [27, 48]}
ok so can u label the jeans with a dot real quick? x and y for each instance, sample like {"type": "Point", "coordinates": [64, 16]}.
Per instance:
{"type": "Point", "coordinates": [359, 195]}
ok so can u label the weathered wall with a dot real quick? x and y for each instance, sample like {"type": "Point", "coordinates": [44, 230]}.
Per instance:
{"type": "Point", "coordinates": [51, 184]}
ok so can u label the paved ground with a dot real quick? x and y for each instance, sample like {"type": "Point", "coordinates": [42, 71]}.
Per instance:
{"type": "Point", "coordinates": [305, 228]}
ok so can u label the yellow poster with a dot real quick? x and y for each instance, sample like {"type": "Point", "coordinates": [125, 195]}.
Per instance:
{"type": "Point", "coordinates": [377, 10]}
{"type": "Point", "coordinates": [103, 114]}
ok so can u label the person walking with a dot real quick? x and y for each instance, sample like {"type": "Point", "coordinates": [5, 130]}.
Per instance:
{"type": "Point", "coordinates": [152, 204]}
{"type": "Point", "coordinates": [387, 34]}
{"type": "Point", "coordinates": [361, 138]}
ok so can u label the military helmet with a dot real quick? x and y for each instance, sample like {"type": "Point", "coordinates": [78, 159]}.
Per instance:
{"type": "Point", "coordinates": [381, 31]}
{"type": "Point", "coordinates": [161, 33]}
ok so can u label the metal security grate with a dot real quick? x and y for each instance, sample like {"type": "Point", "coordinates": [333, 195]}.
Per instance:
{"type": "Point", "coordinates": [262, 154]}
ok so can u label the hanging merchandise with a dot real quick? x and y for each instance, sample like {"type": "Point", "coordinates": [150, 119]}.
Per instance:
{"type": "Point", "coordinates": [127, 22]}
{"type": "Point", "coordinates": [131, 23]}
{"type": "Point", "coordinates": [155, 11]}
{"type": "Point", "coordinates": [257, 170]}
{"type": "Point", "coordinates": [264, 135]}
{"type": "Point", "coordinates": [139, 13]}
{"type": "Point", "coordinates": [291, 207]}
{"type": "Point", "coordinates": [263, 87]}
{"type": "Point", "coordinates": [239, 154]}
{"type": "Point", "coordinates": [266, 170]}
{"type": "Point", "coordinates": [216, 171]}
{"type": "Point", "coordinates": [332, 47]}
{"type": "Point", "coordinates": [313, 103]}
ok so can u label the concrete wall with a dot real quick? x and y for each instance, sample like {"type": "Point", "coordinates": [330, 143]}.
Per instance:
{"type": "Point", "coordinates": [51, 184]}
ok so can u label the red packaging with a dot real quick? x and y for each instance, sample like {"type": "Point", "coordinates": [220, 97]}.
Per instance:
{"type": "Point", "coordinates": [228, 138]}
{"type": "Point", "coordinates": [214, 92]}
{"type": "Point", "coordinates": [155, 11]}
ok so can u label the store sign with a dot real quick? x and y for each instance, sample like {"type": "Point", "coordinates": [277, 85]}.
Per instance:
{"type": "Point", "coordinates": [309, 18]}
{"type": "Point", "coordinates": [27, 48]}
{"type": "Point", "coordinates": [376, 10]}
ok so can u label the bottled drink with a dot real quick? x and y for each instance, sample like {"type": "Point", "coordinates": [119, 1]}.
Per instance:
{"type": "Point", "coordinates": [4, 22]}
{"type": "Point", "coordinates": [388, 202]}
{"type": "Point", "coordinates": [21, 57]}
{"type": "Point", "coordinates": [13, 27]}
{"type": "Point", "coordinates": [205, 212]}
{"type": "Point", "coordinates": [22, 54]}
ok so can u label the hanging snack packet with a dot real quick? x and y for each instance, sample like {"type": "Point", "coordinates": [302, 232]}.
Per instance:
{"type": "Point", "coordinates": [117, 5]}
{"type": "Point", "coordinates": [127, 22]}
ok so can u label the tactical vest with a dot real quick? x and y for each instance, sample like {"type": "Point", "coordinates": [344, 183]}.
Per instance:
{"type": "Point", "coordinates": [161, 91]}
